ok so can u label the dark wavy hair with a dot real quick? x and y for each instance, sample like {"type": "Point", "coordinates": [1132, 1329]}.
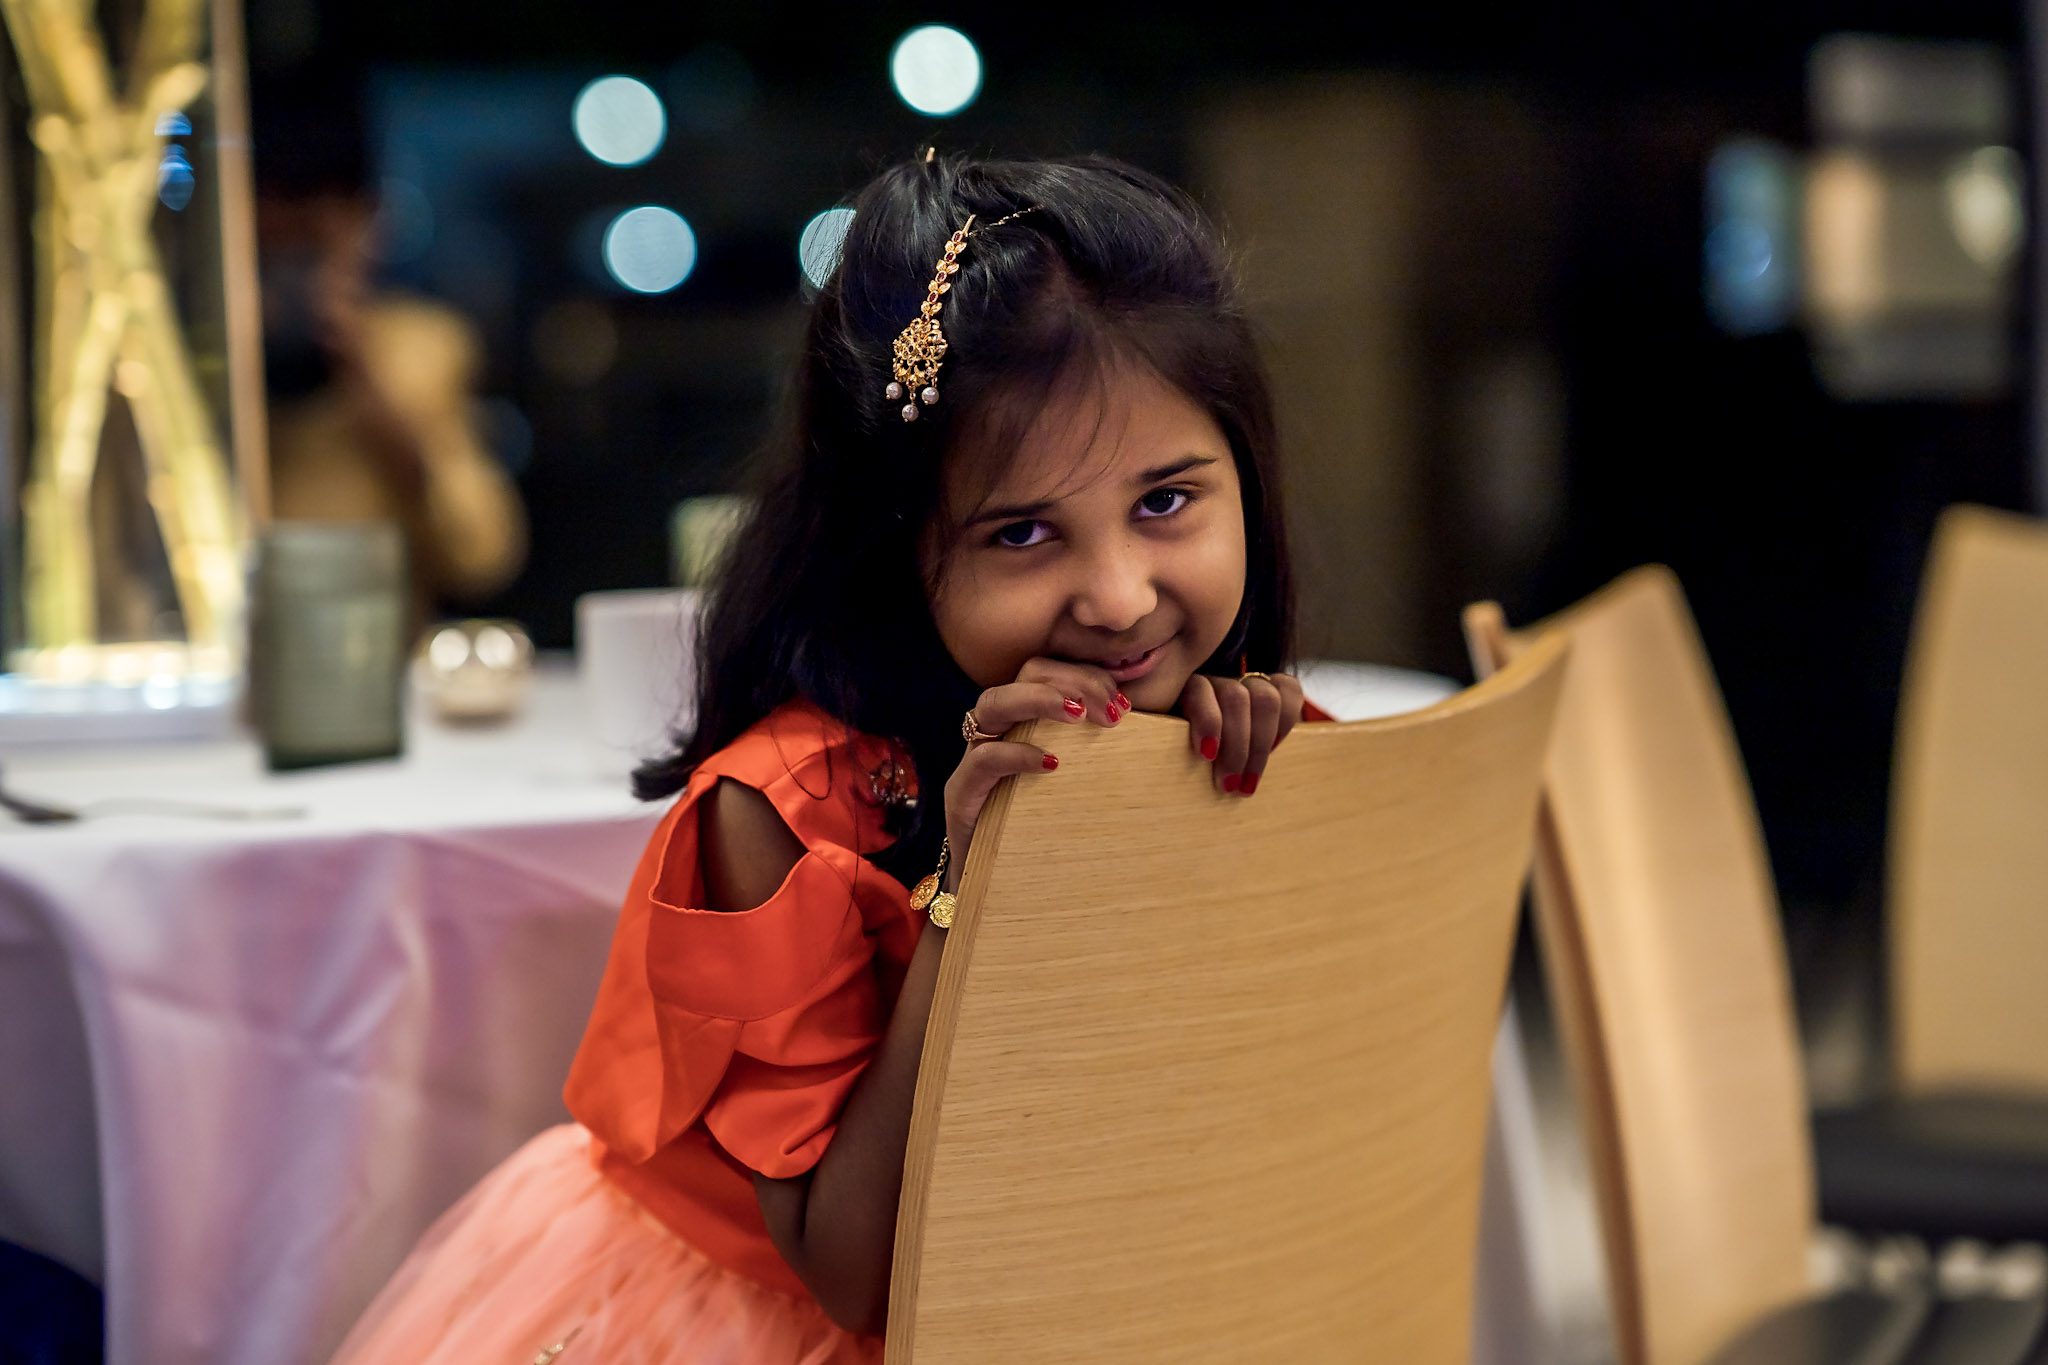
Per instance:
{"type": "Point", "coordinates": [822, 593]}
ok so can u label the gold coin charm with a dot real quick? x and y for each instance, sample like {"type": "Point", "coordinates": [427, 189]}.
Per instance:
{"type": "Point", "coordinates": [921, 895]}
{"type": "Point", "coordinates": [943, 906]}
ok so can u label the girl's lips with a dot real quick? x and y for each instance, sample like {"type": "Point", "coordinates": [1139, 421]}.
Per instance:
{"type": "Point", "coordinates": [1139, 666]}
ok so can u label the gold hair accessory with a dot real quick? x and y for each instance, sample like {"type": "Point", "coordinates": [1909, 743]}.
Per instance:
{"type": "Point", "coordinates": [921, 347]}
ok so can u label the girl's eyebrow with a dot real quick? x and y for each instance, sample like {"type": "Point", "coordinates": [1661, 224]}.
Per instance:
{"type": "Point", "coordinates": [1167, 471]}
{"type": "Point", "coordinates": [1025, 511]}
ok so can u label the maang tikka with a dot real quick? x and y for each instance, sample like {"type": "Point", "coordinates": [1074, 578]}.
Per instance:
{"type": "Point", "coordinates": [921, 347]}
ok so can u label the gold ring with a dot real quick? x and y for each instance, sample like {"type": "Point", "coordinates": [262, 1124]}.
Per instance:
{"type": "Point", "coordinates": [971, 731]}
{"type": "Point", "coordinates": [1254, 673]}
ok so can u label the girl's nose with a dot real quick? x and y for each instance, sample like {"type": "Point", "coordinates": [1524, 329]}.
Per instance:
{"type": "Point", "coordinates": [1116, 591]}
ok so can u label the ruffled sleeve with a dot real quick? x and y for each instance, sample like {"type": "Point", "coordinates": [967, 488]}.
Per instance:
{"type": "Point", "coordinates": [758, 1023]}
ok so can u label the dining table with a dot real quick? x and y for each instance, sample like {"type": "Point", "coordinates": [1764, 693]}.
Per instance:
{"type": "Point", "coordinates": [261, 1028]}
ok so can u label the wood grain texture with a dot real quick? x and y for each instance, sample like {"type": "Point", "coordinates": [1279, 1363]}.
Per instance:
{"type": "Point", "coordinates": [1968, 911]}
{"type": "Point", "coordinates": [1665, 956]}
{"type": "Point", "coordinates": [1206, 1078]}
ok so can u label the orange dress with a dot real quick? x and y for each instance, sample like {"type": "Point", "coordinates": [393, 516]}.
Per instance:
{"type": "Point", "coordinates": [721, 1045]}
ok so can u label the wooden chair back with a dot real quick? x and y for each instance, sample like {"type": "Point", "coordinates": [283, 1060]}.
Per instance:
{"type": "Point", "coordinates": [1968, 900]}
{"type": "Point", "coordinates": [1665, 956]}
{"type": "Point", "coordinates": [1206, 1077]}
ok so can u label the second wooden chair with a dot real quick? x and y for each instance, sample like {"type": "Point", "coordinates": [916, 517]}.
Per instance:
{"type": "Point", "coordinates": [1660, 936]}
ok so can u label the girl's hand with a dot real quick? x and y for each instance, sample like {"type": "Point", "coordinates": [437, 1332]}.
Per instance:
{"type": "Point", "coordinates": [1236, 723]}
{"type": "Point", "coordinates": [1046, 689]}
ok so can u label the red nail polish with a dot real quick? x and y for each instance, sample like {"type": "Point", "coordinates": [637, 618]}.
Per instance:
{"type": "Point", "coordinates": [1049, 762]}
{"type": "Point", "coordinates": [1123, 702]}
{"type": "Point", "coordinates": [1074, 708]}
{"type": "Point", "coordinates": [1251, 784]}
{"type": "Point", "coordinates": [1113, 714]}
{"type": "Point", "coordinates": [1209, 748]}
{"type": "Point", "coordinates": [1230, 783]}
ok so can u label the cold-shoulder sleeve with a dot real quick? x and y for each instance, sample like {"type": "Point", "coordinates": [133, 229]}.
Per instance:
{"type": "Point", "coordinates": [757, 1023]}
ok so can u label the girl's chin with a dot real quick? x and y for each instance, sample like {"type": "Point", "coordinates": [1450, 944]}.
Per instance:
{"type": "Point", "coordinates": [1159, 693]}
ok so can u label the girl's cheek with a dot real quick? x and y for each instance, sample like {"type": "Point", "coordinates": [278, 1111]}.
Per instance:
{"type": "Point", "coordinates": [992, 635]}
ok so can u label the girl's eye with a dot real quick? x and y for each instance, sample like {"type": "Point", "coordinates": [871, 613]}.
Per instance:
{"type": "Point", "coordinates": [1020, 534]}
{"type": "Point", "coordinates": [1160, 502]}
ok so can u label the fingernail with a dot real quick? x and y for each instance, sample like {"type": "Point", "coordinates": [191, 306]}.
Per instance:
{"type": "Point", "coordinates": [1251, 784]}
{"type": "Point", "coordinates": [1209, 747]}
{"type": "Point", "coordinates": [1049, 762]}
{"type": "Point", "coordinates": [1123, 702]}
{"type": "Point", "coordinates": [1113, 714]}
{"type": "Point", "coordinates": [1074, 707]}
{"type": "Point", "coordinates": [1230, 782]}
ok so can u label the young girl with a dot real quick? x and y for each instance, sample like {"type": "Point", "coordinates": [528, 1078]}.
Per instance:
{"type": "Point", "coordinates": [1031, 476]}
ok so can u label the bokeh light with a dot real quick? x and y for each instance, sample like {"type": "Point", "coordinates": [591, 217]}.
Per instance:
{"type": "Point", "coordinates": [817, 250]}
{"type": "Point", "coordinates": [619, 120]}
{"type": "Point", "coordinates": [650, 249]}
{"type": "Point", "coordinates": [936, 70]}
{"type": "Point", "coordinates": [1987, 205]}
{"type": "Point", "coordinates": [175, 180]}
{"type": "Point", "coordinates": [1752, 275]}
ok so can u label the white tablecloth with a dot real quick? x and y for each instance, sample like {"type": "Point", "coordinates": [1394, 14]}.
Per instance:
{"type": "Point", "coordinates": [246, 1064]}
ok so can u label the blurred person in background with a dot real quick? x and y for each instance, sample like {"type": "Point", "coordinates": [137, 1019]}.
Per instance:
{"type": "Point", "coordinates": [371, 393]}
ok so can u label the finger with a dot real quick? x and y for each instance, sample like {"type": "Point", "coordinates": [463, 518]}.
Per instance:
{"type": "Point", "coordinates": [981, 767]}
{"type": "Point", "coordinates": [1204, 716]}
{"type": "Point", "coordinates": [999, 708]}
{"type": "Point", "coordinates": [1093, 686]}
{"type": "Point", "coordinates": [1235, 743]}
{"type": "Point", "coordinates": [1263, 732]}
{"type": "Point", "coordinates": [1291, 703]}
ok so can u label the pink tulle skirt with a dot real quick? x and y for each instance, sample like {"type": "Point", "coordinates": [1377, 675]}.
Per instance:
{"type": "Point", "coordinates": [546, 1253]}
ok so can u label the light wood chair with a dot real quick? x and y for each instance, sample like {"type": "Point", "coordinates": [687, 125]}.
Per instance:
{"type": "Point", "coordinates": [1958, 1146]}
{"type": "Point", "coordinates": [1968, 848]}
{"type": "Point", "coordinates": [1206, 1077]}
{"type": "Point", "coordinates": [1661, 942]}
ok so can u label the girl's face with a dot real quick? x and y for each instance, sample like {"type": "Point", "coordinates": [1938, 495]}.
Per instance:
{"type": "Point", "coordinates": [1114, 538]}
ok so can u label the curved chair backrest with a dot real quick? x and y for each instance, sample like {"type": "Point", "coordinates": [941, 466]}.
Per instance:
{"type": "Point", "coordinates": [1206, 1077]}
{"type": "Point", "coordinates": [1969, 844]}
{"type": "Point", "coordinates": [1661, 940]}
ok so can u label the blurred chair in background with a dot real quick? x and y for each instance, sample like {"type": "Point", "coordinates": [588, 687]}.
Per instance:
{"type": "Point", "coordinates": [1219, 1093]}
{"type": "Point", "coordinates": [1960, 1145]}
{"type": "Point", "coordinates": [1662, 943]}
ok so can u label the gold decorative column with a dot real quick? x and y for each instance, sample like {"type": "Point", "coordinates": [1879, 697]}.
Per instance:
{"type": "Point", "coordinates": [106, 321]}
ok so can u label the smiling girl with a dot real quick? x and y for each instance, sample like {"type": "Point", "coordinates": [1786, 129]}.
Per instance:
{"type": "Point", "coordinates": [1030, 475]}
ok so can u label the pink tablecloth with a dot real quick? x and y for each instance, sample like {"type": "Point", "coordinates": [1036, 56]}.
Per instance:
{"type": "Point", "coordinates": [246, 1064]}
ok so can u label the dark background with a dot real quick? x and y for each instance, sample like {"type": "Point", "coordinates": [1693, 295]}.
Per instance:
{"type": "Point", "coordinates": [1796, 520]}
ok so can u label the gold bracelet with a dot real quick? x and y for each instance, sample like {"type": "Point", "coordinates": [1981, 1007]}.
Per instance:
{"type": "Point", "coordinates": [926, 895]}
